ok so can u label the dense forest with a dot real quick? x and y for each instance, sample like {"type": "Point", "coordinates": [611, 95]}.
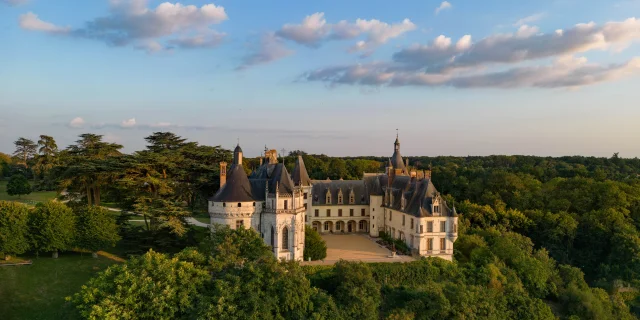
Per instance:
{"type": "Point", "coordinates": [540, 237]}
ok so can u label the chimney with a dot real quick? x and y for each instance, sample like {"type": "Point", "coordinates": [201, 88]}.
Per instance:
{"type": "Point", "coordinates": [223, 173]}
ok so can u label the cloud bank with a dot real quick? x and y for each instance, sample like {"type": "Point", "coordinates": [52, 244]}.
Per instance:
{"type": "Point", "coordinates": [132, 23]}
{"type": "Point", "coordinates": [464, 64]}
{"type": "Point", "coordinates": [314, 31]}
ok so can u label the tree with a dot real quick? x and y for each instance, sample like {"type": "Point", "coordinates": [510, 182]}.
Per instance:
{"type": "Point", "coordinates": [90, 165]}
{"type": "Point", "coordinates": [314, 247]}
{"type": "Point", "coordinates": [51, 227]}
{"type": "Point", "coordinates": [25, 150]}
{"type": "Point", "coordinates": [357, 294]}
{"type": "Point", "coordinates": [18, 185]}
{"type": "Point", "coordinates": [96, 229]}
{"type": "Point", "coordinates": [5, 163]}
{"type": "Point", "coordinates": [153, 286]}
{"type": "Point", "coordinates": [47, 155]}
{"type": "Point", "coordinates": [13, 228]}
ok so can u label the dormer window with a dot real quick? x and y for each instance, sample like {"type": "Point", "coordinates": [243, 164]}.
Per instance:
{"type": "Point", "coordinates": [352, 199]}
{"type": "Point", "coordinates": [339, 199]}
{"type": "Point", "coordinates": [403, 202]}
{"type": "Point", "coordinates": [328, 198]}
{"type": "Point", "coordinates": [436, 210]}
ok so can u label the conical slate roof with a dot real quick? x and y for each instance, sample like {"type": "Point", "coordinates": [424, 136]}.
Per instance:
{"type": "Point", "coordinates": [280, 177]}
{"type": "Point", "coordinates": [300, 175]}
{"type": "Point", "coordinates": [396, 160]}
{"type": "Point", "coordinates": [236, 189]}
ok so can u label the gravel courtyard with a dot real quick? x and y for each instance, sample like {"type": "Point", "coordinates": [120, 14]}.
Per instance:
{"type": "Point", "coordinates": [355, 247]}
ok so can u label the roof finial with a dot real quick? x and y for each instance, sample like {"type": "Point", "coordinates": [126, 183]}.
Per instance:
{"type": "Point", "coordinates": [396, 133]}
{"type": "Point", "coordinates": [238, 140]}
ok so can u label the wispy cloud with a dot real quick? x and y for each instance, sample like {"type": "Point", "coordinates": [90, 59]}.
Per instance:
{"type": "Point", "coordinates": [445, 5]}
{"type": "Point", "coordinates": [131, 23]}
{"type": "Point", "coordinates": [530, 19]}
{"type": "Point", "coordinates": [14, 2]}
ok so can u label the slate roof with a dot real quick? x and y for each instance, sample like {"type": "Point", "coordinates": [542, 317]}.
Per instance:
{"type": "Point", "coordinates": [419, 196]}
{"type": "Point", "coordinates": [321, 187]}
{"type": "Point", "coordinates": [237, 188]}
{"type": "Point", "coordinates": [300, 175]}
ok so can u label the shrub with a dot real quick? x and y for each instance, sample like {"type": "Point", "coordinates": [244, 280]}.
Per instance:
{"type": "Point", "coordinates": [18, 185]}
{"type": "Point", "coordinates": [13, 228]}
{"type": "Point", "coordinates": [96, 228]}
{"type": "Point", "coordinates": [51, 227]}
{"type": "Point", "coordinates": [314, 247]}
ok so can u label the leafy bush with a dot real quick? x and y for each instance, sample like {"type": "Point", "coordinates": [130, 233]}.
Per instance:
{"type": "Point", "coordinates": [51, 227]}
{"type": "Point", "coordinates": [18, 185]}
{"type": "Point", "coordinates": [315, 248]}
{"type": "Point", "coordinates": [96, 228]}
{"type": "Point", "coordinates": [13, 228]}
{"type": "Point", "coordinates": [153, 286]}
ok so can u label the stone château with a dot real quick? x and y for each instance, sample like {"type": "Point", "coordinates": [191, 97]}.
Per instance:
{"type": "Point", "coordinates": [402, 202]}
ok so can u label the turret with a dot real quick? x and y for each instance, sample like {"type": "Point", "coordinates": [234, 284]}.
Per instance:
{"type": "Point", "coordinates": [237, 155]}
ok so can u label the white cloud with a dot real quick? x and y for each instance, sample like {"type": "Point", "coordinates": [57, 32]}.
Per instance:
{"type": "Point", "coordinates": [310, 32]}
{"type": "Point", "coordinates": [475, 65]}
{"type": "Point", "coordinates": [526, 44]}
{"type": "Point", "coordinates": [77, 123]}
{"type": "Point", "coordinates": [30, 21]}
{"type": "Point", "coordinates": [564, 73]}
{"type": "Point", "coordinates": [131, 22]}
{"type": "Point", "coordinates": [161, 125]}
{"type": "Point", "coordinates": [445, 5]}
{"type": "Point", "coordinates": [526, 31]}
{"type": "Point", "coordinates": [271, 48]}
{"type": "Point", "coordinates": [529, 19]}
{"type": "Point", "coordinates": [14, 2]}
{"type": "Point", "coordinates": [130, 123]}
{"type": "Point", "coordinates": [314, 30]}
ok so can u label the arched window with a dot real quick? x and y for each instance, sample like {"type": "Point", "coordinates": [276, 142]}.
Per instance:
{"type": "Point", "coordinates": [273, 235]}
{"type": "Point", "coordinates": [285, 238]}
{"type": "Point", "coordinates": [326, 226]}
{"type": "Point", "coordinates": [362, 225]}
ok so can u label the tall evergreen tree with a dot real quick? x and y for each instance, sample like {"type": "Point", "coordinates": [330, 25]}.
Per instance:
{"type": "Point", "coordinates": [25, 150]}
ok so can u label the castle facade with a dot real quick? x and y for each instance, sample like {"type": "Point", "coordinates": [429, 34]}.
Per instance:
{"type": "Point", "coordinates": [401, 202]}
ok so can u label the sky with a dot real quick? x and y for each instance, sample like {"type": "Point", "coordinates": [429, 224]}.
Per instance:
{"type": "Point", "coordinates": [459, 77]}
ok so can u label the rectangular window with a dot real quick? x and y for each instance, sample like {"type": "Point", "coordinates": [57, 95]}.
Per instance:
{"type": "Point", "coordinates": [304, 196]}
{"type": "Point", "coordinates": [351, 212]}
{"type": "Point", "coordinates": [430, 226]}
{"type": "Point", "coordinates": [305, 206]}
{"type": "Point", "coordinates": [328, 212]}
{"type": "Point", "coordinates": [421, 229]}
{"type": "Point", "coordinates": [363, 212]}
{"type": "Point", "coordinates": [390, 217]}
{"type": "Point", "coordinates": [306, 218]}
{"type": "Point", "coordinates": [286, 205]}
{"type": "Point", "coordinates": [403, 218]}
{"type": "Point", "coordinates": [443, 226]}
{"type": "Point", "coordinates": [429, 244]}
{"type": "Point", "coordinates": [443, 244]}
{"type": "Point", "coordinates": [239, 224]}
{"type": "Point", "coordinates": [455, 227]}
{"type": "Point", "coordinates": [317, 213]}
{"type": "Point", "coordinates": [339, 212]}
{"type": "Point", "coordinates": [411, 223]}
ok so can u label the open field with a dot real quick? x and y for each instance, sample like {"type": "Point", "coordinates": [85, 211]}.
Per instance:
{"type": "Point", "coordinates": [38, 291]}
{"type": "Point", "coordinates": [32, 199]}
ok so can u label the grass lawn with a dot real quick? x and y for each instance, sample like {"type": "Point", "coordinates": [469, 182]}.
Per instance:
{"type": "Point", "coordinates": [202, 217]}
{"type": "Point", "coordinates": [32, 199]}
{"type": "Point", "coordinates": [38, 291]}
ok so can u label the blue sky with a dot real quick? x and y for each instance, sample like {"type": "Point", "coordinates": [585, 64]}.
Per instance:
{"type": "Point", "coordinates": [334, 77]}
